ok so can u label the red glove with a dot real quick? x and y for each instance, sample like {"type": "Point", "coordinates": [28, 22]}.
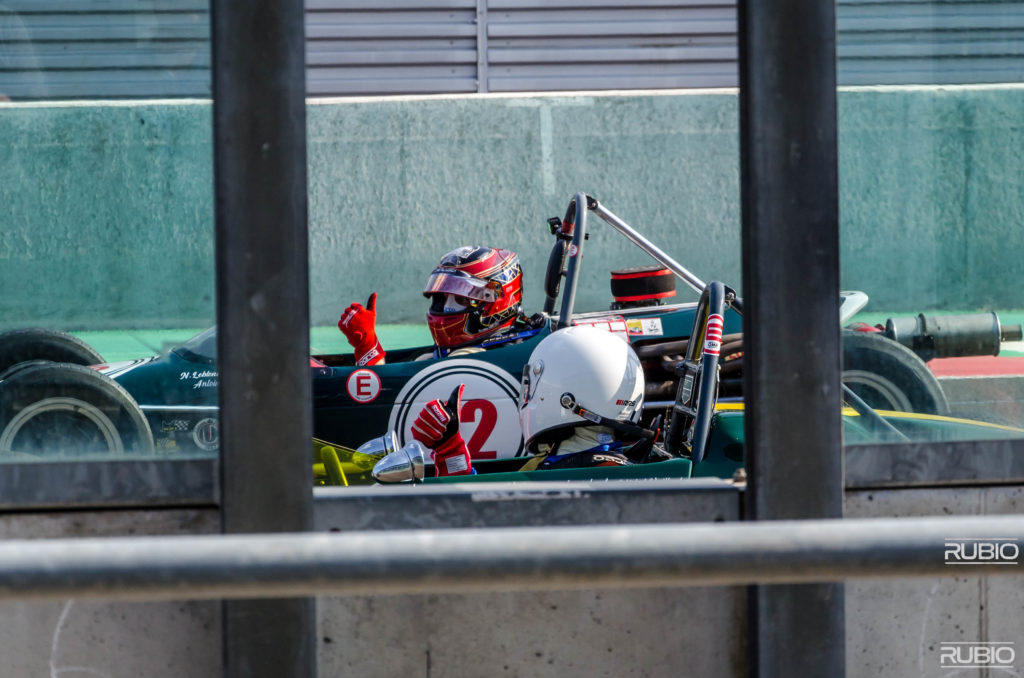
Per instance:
{"type": "Point", "coordinates": [358, 324]}
{"type": "Point", "coordinates": [437, 427]}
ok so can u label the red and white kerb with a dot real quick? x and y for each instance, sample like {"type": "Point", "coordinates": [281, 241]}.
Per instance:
{"type": "Point", "coordinates": [713, 338]}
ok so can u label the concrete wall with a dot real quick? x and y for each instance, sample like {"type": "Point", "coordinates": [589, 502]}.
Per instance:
{"type": "Point", "coordinates": [396, 181]}
{"type": "Point", "coordinates": [108, 207]}
{"type": "Point", "coordinates": [932, 205]}
{"type": "Point", "coordinates": [107, 215]}
{"type": "Point", "coordinates": [999, 400]}
{"type": "Point", "coordinates": [651, 632]}
{"type": "Point", "coordinates": [894, 627]}
{"type": "Point", "coordinates": [647, 632]}
{"type": "Point", "coordinates": [112, 640]}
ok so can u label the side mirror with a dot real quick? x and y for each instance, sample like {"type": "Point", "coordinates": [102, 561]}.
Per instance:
{"type": "Point", "coordinates": [402, 466]}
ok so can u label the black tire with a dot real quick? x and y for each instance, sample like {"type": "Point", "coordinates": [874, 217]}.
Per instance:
{"type": "Point", "coordinates": [889, 376]}
{"type": "Point", "coordinates": [60, 409]}
{"type": "Point", "coordinates": [39, 344]}
{"type": "Point", "coordinates": [18, 367]}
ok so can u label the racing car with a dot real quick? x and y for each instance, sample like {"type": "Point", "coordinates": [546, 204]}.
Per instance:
{"type": "Point", "coordinates": [704, 435]}
{"type": "Point", "coordinates": [50, 403]}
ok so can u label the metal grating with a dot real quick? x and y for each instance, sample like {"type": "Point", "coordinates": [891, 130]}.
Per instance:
{"type": "Point", "coordinates": [390, 46]}
{"type": "Point", "coordinates": [925, 42]}
{"type": "Point", "coordinates": [588, 44]}
{"type": "Point", "coordinates": [72, 49]}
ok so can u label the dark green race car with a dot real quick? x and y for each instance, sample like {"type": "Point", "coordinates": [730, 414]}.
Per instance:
{"type": "Point", "coordinates": [167, 404]}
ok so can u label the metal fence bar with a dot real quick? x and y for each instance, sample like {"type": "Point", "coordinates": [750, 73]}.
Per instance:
{"type": "Point", "coordinates": [266, 422]}
{"type": "Point", "coordinates": [481, 46]}
{"type": "Point", "coordinates": [505, 559]}
{"type": "Point", "coordinates": [646, 245]}
{"type": "Point", "coordinates": [790, 241]}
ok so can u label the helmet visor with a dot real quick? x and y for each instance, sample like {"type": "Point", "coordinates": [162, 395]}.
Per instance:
{"type": "Point", "coordinates": [442, 281]}
{"type": "Point", "coordinates": [449, 303]}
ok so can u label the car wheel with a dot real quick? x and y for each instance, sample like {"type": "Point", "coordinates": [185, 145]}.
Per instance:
{"type": "Point", "coordinates": [39, 344]}
{"type": "Point", "coordinates": [49, 408]}
{"type": "Point", "coordinates": [889, 376]}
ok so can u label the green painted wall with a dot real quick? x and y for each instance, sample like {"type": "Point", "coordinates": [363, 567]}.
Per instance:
{"type": "Point", "coordinates": [396, 184]}
{"type": "Point", "coordinates": [108, 209]}
{"type": "Point", "coordinates": [107, 215]}
{"type": "Point", "coordinates": [932, 196]}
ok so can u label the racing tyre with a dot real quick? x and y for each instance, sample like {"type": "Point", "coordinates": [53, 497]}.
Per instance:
{"type": "Point", "coordinates": [49, 408]}
{"type": "Point", "coordinates": [39, 344]}
{"type": "Point", "coordinates": [889, 376]}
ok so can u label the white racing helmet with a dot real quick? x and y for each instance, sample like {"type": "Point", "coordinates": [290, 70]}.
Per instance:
{"type": "Point", "coordinates": [578, 376]}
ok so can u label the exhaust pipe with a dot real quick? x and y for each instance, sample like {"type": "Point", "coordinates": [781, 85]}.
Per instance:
{"type": "Point", "coordinates": [951, 336]}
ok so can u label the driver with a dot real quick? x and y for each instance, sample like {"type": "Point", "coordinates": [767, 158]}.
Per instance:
{"type": "Point", "coordinates": [475, 294]}
{"type": "Point", "coordinates": [579, 405]}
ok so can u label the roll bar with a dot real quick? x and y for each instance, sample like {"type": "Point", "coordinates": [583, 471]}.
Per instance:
{"type": "Point", "coordinates": [576, 223]}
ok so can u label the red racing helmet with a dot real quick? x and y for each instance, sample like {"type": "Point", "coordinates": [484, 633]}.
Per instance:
{"type": "Point", "coordinates": [474, 292]}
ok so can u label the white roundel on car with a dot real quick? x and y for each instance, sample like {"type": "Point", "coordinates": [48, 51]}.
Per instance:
{"type": "Point", "coordinates": [363, 386]}
{"type": "Point", "coordinates": [489, 414]}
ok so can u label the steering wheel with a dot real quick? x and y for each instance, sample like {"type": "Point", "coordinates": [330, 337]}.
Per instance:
{"type": "Point", "coordinates": [697, 393]}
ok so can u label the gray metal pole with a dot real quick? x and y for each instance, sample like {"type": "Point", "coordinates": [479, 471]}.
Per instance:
{"type": "Point", "coordinates": [789, 184]}
{"type": "Point", "coordinates": [509, 559]}
{"type": "Point", "coordinates": [263, 312]}
{"type": "Point", "coordinates": [634, 236]}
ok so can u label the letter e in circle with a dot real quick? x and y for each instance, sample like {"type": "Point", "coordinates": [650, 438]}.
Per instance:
{"type": "Point", "coordinates": [363, 386]}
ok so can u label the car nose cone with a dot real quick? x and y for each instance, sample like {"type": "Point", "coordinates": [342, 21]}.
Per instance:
{"type": "Point", "coordinates": [381, 446]}
{"type": "Point", "coordinates": [402, 466]}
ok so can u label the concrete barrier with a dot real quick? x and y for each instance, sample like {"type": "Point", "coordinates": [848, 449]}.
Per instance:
{"type": "Point", "coordinates": [997, 399]}
{"type": "Point", "coordinates": [650, 632]}
{"type": "Point", "coordinates": [894, 627]}
{"type": "Point", "coordinates": [109, 206]}
{"type": "Point", "coordinates": [116, 640]}
{"type": "Point", "coordinates": [590, 632]}
{"type": "Point", "coordinates": [899, 627]}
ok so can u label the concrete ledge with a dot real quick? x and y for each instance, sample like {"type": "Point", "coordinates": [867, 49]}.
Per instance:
{"type": "Point", "coordinates": [997, 400]}
{"type": "Point", "coordinates": [524, 504]}
{"type": "Point", "coordinates": [906, 465]}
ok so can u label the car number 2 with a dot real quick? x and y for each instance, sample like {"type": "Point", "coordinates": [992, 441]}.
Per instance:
{"type": "Point", "coordinates": [489, 415]}
{"type": "Point", "coordinates": [484, 414]}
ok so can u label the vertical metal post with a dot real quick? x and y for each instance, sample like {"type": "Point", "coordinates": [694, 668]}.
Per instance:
{"type": "Point", "coordinates": [789, 185]}
{"type": "Point", "coordinates": [481, 46]}
{"type": "Point", "coordinates": [259, 127]}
